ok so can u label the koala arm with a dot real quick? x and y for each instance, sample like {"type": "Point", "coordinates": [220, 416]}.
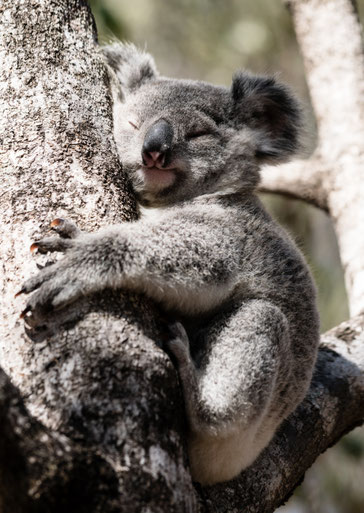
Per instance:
{"type": "Point", "coordinates": [173, 261]}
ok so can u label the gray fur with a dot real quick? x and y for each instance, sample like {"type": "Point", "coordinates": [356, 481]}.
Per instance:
{"type": "Point", "coordinates": [207, 251]}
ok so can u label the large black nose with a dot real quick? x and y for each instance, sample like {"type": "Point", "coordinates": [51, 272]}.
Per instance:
{"type": "Point", "coordinates": [157, 144]}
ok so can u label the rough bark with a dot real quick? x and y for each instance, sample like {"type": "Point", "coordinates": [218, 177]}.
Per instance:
{"type": "Point", "coordinates": [104, 384]}
{"type": "Point", "coordinates": [101, 426]}
{"type": "Point", "coordinates": [43, 471]}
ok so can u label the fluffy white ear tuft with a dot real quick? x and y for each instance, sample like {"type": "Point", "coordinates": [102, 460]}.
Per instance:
{"type": "Point", "coordinates": [271, 111]}
{"type": "Point", "coordinates": [132, 66]}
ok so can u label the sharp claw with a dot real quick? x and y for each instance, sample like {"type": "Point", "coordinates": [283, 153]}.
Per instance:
{"type": "Point", "coordinates": [56, 222]}
{"type": "Point", "coordinates": [36, 247]}
{"type": "Point", "coordinates": [65, 228]}
{"type": "Point", "coordinates": [24, 312]}
{"type": "Point", "coordinates": [21, 291]}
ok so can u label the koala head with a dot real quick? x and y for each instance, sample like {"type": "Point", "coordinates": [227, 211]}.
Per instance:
{"type": "Point", "coordinates": [178, 139]}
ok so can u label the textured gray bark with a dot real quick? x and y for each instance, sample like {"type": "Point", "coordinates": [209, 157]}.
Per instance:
{"type": "Point", "coordinates": [101, 429]}
{"type": "Point", "coordinates": [103, 385]}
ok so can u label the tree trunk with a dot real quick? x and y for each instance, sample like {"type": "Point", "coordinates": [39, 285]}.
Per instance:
{"type": "Point", "coordinates": [102, 425]}
{"type": "Point", "coordinates": [104, 386]}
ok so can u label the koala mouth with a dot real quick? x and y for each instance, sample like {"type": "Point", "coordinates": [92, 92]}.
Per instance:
{"type": "Point", "coordinates": [156, 177]}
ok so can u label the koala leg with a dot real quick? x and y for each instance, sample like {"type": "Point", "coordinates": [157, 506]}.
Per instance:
{"type": "Point", "coordinates": [241, 390]}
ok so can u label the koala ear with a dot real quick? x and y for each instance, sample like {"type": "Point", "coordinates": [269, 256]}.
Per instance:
{"type": "Point", "coordinates": [133, 67]}
{"type": "Point", "coordinates": [271, 111]}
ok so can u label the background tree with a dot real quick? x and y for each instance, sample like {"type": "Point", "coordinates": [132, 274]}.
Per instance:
{"type": "Point", "coordinates": [103, 426]}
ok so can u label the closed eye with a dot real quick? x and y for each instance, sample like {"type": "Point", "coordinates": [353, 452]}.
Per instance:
{"type": "Point", "coordinates": [198, 133]}
{"type": "Point", "coordinates": [133, 125]}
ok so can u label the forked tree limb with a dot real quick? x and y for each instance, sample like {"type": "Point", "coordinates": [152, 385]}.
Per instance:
{"type": "Point", "coordinates": [330, 38]}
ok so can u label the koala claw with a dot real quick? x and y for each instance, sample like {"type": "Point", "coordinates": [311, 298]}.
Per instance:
{"type": "Point", "coordinates": [25, 311]}
{"type": "Point", "coordinates": [34, 248]}
{"type": "Point", "coordinates": [21, 291]}
{"type": "Point", "coordinates": [36, 281]}
{"type": "Point", "coordinates": [50, 244]}
{"type": "Point", "coordinates": [65, 228]}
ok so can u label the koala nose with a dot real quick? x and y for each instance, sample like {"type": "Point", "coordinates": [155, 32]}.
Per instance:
{"type": "Point", "coordinates": [157, 144]}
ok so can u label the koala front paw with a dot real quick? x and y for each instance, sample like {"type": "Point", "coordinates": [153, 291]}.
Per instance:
{"type": "Point", "coordinates": [58, 285]}
{"type": "Point", "coordinates": [67, 231]}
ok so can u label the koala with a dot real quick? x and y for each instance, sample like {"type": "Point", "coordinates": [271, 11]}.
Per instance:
{"type": "Point", "coordinates": [205, 250]}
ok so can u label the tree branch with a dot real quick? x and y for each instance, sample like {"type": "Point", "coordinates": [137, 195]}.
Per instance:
{"type": "Point", "coordinates": [332, 178]}
{"type": "Point", "coordinates": [301, 179]}
{"type": "Point", "coordinates": [330, 37]}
